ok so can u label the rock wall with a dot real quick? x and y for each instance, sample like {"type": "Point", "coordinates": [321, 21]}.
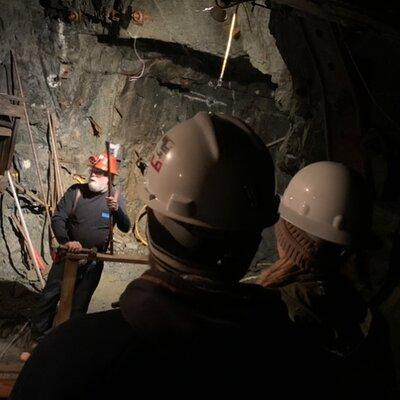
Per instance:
{"type": "Point", "coordinates": [129, 70]}
{"type": "Point", "coordinates": [105, 85]}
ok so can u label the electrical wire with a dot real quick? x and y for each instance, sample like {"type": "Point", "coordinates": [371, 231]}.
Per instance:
{"type": "Point", "coordinates": [237, 3]}
{"type": "Point", "coordinates": [134, 78]}
{"type": "Point", "coordinates": [224, 6]}
{"type": "Point", "coordinates": [138, 235]}
{"type": "Point", "coordinates": [273, 143]}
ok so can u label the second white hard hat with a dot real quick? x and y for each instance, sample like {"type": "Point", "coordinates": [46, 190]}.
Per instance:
{"type": "Point", "coordinates": [326, 199]}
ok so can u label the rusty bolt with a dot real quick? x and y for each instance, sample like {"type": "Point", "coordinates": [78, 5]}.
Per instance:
{"type": "Point", "coordinates": [114, 15]}
{"type": "Point", "coordinates": [80, 102]}
{"type": "Point", "coordinates": [74, 15]}
{"type": "Point", "coordinates": [65, 71]}
{"type": "Point", "coordinates": [137, 17]}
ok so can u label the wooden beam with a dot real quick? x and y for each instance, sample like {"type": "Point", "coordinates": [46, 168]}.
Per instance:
{"type": "Point", "coordinates": [70, 272]}
{"type": "Point", "coordinates": [93, 255]}
{"type": "Point", "coordinates": [22, 232]}
{"type": "Point", "coordinates": [6, 386]}
{"type": "Point", "coordinates": [123, 258]}
{"type": "Point", "coordinates": [134, 259]}
{"type": "Point", "coordinates": [5, 132]}
{"type": "Point", "coordinates": [11, 97]}
{"type": "Point", "coordinates": [54, 152]}
{"type": "Point", "coordinates": [67, 291]}
{"type": "Point", "coordinates": [12, 110]}
{"type": "Point", "coordinates": [23, 223]}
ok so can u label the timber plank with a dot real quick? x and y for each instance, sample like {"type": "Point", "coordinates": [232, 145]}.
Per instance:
{"type": "Point", "coordinates": [67, 291]}
{"type": "Point", "coordinates": [4, 131]}
{"type": "Point", "coordinates": [12, 110]}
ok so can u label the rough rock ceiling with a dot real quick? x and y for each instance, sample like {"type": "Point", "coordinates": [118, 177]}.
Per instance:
{"type": "Point", "coordinates": [184, 22]}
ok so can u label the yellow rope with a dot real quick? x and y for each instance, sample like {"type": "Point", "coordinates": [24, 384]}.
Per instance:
{"type": "Point", "coordinates": [139, 237]}
{"type": "Point", "coordinates": [79, 178]}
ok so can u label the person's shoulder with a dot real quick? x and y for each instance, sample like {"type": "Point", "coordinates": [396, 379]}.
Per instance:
{"type": "Point", "coordinates": [77, 186]}
{"type": "Point", "coordinates": [89, 332]}
{"type": "Point", "coordinates": [304, 293]}
{"type": "Point", "coordinates": [81, 349]}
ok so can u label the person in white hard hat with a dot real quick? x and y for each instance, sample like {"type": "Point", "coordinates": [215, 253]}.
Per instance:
{"type": "Point", "coordinates": [325, 214]}
{"type": "Point", "coordinates": [183, 328]}
{"type": "Point", "coordinates": [210, 190]}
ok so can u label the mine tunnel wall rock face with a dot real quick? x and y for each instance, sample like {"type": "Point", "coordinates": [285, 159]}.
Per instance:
{"type": "Point", "coordinates": [82, 64]}
{"type": "Point", "coordinates": [86, 72]}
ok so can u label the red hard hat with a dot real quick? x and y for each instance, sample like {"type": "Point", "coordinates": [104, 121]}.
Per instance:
{"type": "Point", "coordinates": [101, 162]}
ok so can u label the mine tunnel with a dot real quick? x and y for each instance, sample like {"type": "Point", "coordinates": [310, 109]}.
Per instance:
{"type": "Point", "coordinates": [85, 85]}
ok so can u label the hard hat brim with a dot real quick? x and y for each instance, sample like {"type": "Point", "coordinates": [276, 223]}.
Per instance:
{"type": "Point", "coordinates": [325, 231]}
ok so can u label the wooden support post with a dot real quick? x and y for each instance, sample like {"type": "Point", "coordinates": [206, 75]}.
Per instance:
{"type": "Point", "coordinates": [23, 223]}
{"type": "Point", "coordinates": [54, 152]}
{"type": "Point", "coordinates": [35, 157]}
{"type": "Point", "coordinates": [67, 291]}
{"type": "Point", "coordinates": [70, 272]}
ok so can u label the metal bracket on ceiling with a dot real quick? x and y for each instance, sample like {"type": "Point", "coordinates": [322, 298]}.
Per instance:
{"type": "Point", "coordinates": [224, 4]}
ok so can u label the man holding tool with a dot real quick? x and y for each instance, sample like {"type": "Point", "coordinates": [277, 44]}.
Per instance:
{"type": "Point", "coordinates": [81, 220]}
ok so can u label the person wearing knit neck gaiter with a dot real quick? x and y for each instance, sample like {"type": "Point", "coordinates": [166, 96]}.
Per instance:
{"type": "Point", "coordinates": [324, 218]}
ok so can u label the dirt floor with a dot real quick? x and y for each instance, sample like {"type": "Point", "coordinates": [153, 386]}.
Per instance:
{"type": "Point", "coordinates": [113, 282]}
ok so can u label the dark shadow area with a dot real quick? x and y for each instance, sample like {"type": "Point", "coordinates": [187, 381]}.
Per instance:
{"type": "Point", "coordinates": [392, 279]}
{"type": "Point", "coordinates": [16, 300]}
{"type": "Point", "coordinates": [3, 234]}
{"type": "Point", "coordinates": [240, 69]}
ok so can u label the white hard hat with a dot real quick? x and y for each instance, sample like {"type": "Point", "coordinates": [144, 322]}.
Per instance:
{"type": "Point", "coordinates": [326, 199]}
{"type": "Point", "coordinates": [212, 171]}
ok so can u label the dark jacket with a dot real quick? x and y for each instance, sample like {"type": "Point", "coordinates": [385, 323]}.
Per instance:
{"type": "Point", "coordinates": [172, 338]}
{"type": "Point", "coordinates": [328, 311]}
{"type": "Point", "coordinates": [86, 220]}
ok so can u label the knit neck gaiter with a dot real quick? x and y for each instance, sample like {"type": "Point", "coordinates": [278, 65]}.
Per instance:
{"type": "Point", "coordinates": [300, 251]}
